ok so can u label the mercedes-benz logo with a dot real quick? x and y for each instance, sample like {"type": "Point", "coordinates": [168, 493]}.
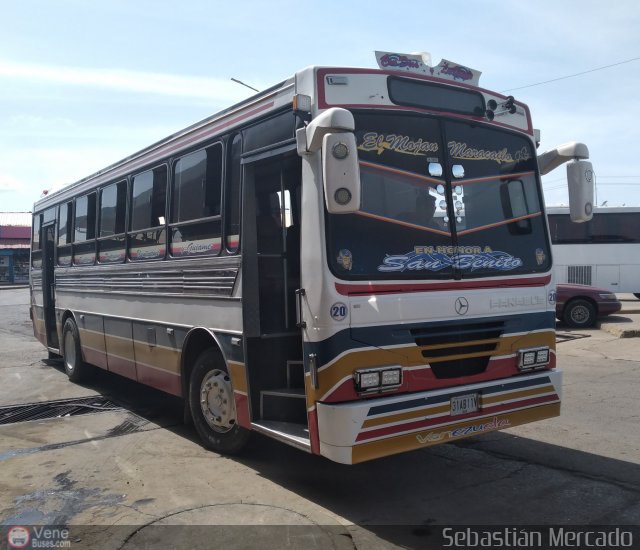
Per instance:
{"type": "Point", "coordinates": [462, 306]}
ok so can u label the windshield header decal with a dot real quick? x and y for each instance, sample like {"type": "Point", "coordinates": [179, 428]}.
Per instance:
{"type": "Point", "coordinates": [462, 151]}
{"type": "Point", "coordinates": [373, 141]}
{"type": "Point", "coordinates": [463, 258]}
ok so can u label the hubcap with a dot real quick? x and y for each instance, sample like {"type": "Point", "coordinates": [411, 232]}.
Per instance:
{"type": "Point", "coordinates": [580, 314]}
{"type": "Point", "coordinates": [216, 401]}
{"type": "Point", "coordinates": [69, 351]}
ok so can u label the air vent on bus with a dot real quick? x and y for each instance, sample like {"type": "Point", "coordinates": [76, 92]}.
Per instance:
{"type": "Point", "coordinates": [459, 350]}
{"type": "Point", "coordinates": [579, 274]}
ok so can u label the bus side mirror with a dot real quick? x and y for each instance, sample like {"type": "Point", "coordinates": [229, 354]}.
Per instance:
{"type": "Point", "coordinates": [341, 173]}
{"type": "Point", "coordinates": [581, 190]}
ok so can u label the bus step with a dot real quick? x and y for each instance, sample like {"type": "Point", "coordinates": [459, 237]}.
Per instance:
{"type": "Point", "coordinates": [284, 405]}
{"type": "Point", "coordinates": [296, 435]}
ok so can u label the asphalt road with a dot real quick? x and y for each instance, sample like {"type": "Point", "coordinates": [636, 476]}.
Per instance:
{"type": "Point", "coordinates": [118, 477]}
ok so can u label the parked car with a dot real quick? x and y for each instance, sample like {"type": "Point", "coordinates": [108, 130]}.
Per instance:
{"type": "Point", "coordinates": [580, 306]}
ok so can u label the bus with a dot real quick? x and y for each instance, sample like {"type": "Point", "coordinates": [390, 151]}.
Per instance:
{"type": "Point", "coordinates": [603, 252]}
{"type": "Point", "coordinates": [355, 262]}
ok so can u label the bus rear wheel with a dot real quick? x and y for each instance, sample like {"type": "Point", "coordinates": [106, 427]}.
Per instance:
{"type": "Point", "coordinates": [77, 370]}
{"type": "Point", "coordinates": [213, 405]}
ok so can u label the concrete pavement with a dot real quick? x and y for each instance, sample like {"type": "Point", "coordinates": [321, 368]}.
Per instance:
{"type": "Point", "coordinates": [625, 323]}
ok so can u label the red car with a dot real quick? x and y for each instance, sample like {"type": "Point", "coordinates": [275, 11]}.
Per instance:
{"type": "Point", "coordinates": [579, 306]}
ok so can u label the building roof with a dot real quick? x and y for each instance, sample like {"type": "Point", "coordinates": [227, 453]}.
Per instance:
{"type": "Point", "coordinates": [19, 219]}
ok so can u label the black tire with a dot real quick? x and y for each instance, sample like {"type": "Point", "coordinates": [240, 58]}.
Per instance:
{"type": "Point", "coordinates": [637, 296]}
{"type": "Point", "coordinates": [580, 313]}
{"type": "Point", "coordinates": [77, 370]}
{"type": "Point", "coordinates": [213, 407]}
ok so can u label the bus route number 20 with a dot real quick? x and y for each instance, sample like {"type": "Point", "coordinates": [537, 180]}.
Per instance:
{"type": "Point", "coordinates": [339, 311]}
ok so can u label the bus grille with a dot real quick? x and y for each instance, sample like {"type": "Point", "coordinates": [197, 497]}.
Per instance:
{"type": "Point", "coordinates": [459, 350]}
{"type": "Point", "coordinates": [579, 274]}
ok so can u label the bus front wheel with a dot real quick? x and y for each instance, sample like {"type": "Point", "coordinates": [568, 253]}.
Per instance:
{"type": "Point", "coordinates": [213, 405]}
{"type": "Point", "coordinates": [76, 369]}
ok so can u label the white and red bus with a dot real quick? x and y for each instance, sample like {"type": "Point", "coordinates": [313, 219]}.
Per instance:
{"type": "Point", "coordinates": [355, 261]}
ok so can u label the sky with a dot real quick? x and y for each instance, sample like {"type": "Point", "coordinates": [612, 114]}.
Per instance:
{"type": "Point", "coordinates": [85, 84]}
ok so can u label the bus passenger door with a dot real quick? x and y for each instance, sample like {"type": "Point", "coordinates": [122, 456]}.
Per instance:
{"type": "Point", "coordinates": [271, 276]}
{"type": "Point", "coordinates": [48, 285]}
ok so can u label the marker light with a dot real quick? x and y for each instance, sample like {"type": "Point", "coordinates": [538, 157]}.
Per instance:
{"type": "Point", "coordinates": [342, 196]}
{"type": "Point", "coordinates": [340, 151]}
{"type": "Point", "coordinates": [302, 103]}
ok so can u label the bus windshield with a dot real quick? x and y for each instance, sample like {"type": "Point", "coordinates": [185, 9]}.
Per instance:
{"type": "Point", "coordinates": [440, 199]}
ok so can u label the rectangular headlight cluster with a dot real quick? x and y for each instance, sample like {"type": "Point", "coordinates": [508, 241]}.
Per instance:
{"type": "Point", "coordinates": [533, 358]}
{"type": "Point", "coordinates": [370, 380]}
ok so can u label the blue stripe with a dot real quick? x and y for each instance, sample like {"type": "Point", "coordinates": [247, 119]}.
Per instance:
{"type": "Point", "coordinates": [353, 339]}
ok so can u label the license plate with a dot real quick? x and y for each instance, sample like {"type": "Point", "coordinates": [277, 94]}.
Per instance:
{"type": "Point", "coordinates": [464, 404]}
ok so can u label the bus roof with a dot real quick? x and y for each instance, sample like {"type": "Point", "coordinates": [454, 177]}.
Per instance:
{"type": "Point", "coordinates": [271, 99]}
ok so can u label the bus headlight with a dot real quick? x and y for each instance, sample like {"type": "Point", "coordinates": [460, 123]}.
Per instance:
{"type": "Point", "coordinates": [382, 379]}
{"type": "Point", "coordinates": [533, 358]}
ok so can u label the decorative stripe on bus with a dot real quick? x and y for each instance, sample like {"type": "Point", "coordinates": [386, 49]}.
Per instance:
{"type": "Point", "coordinates": [498, 224]}
{"type": "Point", "coordinates": [439, 414]}
{"type": "Point", "coordinates": [335, 380]}
{"type": "Point", "coordinates": [452, 432]}
{"type": "Point", "coordinates": [366, 289]}
{"type": "Point", "coordinates": [400, 222]}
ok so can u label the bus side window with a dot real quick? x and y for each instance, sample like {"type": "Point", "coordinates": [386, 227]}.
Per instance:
{"type": "Point", "coordinates": [65, 225]}
{"type": "Point", "coordinates": [36, 245]}
{"type": "Point", "coordinates": [196, 189]}
{"type": "Point", "coordinates": [111, 232]}
{"type": "Point", "coordinates": [84, 230]}
{"type": "Point", "coordinates": [232, 197]}
{"type": "Point", "coordinates": [147, 237]}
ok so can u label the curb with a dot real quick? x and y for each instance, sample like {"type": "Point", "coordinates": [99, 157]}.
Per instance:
{"type": "Point", "coordinates": [620, 332]}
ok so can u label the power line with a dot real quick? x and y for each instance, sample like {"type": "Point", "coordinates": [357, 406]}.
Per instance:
{"type": "Point", "coordinates": [572, 75]}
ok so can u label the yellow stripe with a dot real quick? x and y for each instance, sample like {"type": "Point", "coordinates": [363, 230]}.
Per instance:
{"type": "Point", "coordinates": [238, 374]}
{"type": "Point", "coordinates": [408, 442]}
{"type": "Point", "coordinates": [422, 413]}
{"type": "Point", "coordinates": [91, 339]}
{"type": "Point", "coordinates": [492, 399]}
{"type": "Point", "coordinates": [158, 357]}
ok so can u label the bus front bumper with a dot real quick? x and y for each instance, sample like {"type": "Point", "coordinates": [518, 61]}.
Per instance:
{"type": "Point", "coordinates": [377, 427]}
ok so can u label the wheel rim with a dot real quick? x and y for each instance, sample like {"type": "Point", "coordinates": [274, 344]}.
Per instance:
{"type": "Point", "coordinates": [69, 351]}
{"type": "Point", "coordinates": [216, 401]}
{"type": "Point", "coordinates": [580, 315]}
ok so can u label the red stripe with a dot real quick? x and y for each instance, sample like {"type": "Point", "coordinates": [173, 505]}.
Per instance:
{"type": "Point", "coordinates": [399, 288]}
{"type": "Point", "coordinates": [242, 410]}
{"type": "Point", "coordinates": [162, 380]}
{"type": "Point", "coordinates": [314, 436]}
{"type": "Point", "coordinates": [417, 425]}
